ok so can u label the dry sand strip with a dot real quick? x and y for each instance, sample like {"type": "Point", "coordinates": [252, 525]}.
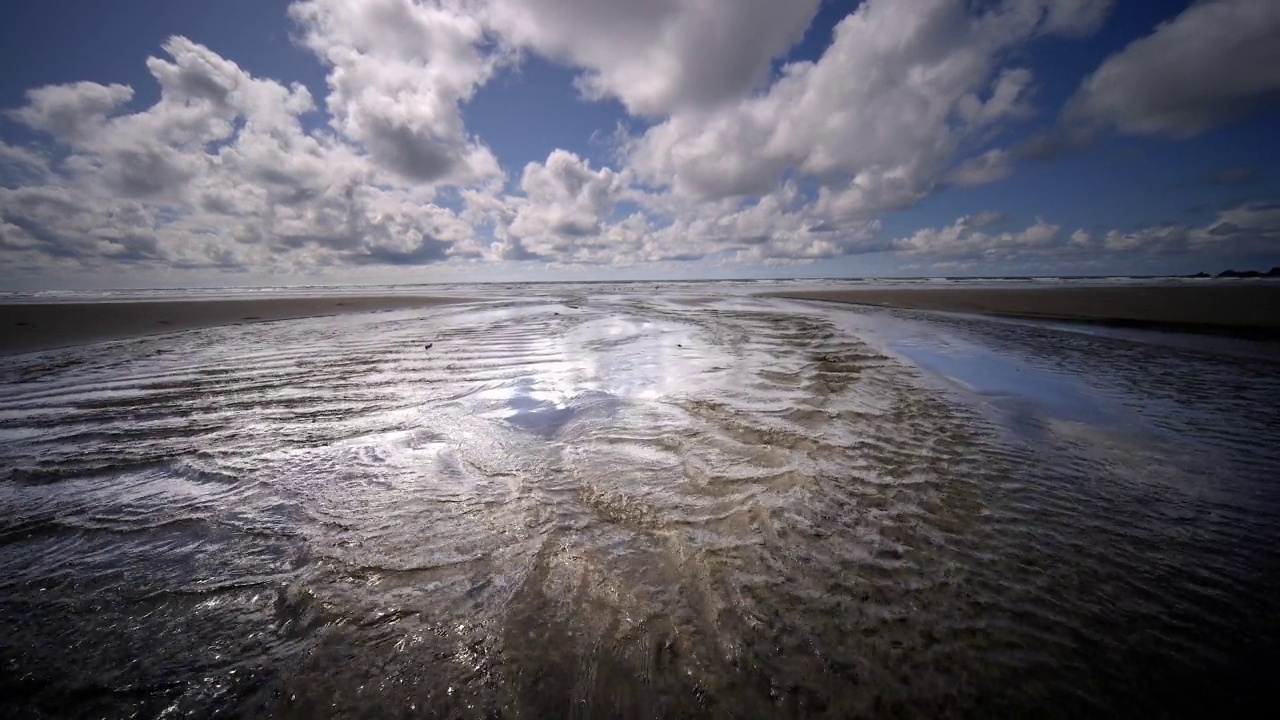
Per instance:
{"type": "Point", "coordinates": [27, 327]}
{"type": "Point", "coordinates": [1251, 309]}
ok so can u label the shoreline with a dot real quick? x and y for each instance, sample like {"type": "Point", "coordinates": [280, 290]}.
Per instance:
{"type": "Point", "coordinates": [1250, 311]}
{"type": "Point", "coordinates": [1246, 311]}
{"type": "Point", "coordinates": [36, 327]}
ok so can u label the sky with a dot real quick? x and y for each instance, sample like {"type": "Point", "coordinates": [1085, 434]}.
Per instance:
{"type": "Point", "coordinates": [172, 143]}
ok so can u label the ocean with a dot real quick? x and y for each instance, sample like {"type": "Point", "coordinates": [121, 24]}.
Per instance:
{"type": "Point", "coordinates": [639, 500]}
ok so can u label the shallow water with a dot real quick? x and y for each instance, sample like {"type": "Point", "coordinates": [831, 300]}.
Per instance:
{"type": "Point", "coordinates": [639, 507]}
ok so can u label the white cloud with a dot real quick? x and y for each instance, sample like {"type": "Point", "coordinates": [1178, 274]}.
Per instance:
{"type": "Point", "coordinates": [966, 238]}
{"type": "Point", "coordinates": [58, 224]}
{"type": "Point", "coordinates": [991, 166]}
{"type": "Point", "coordinates": [1200, 70]}
{"type": "Point", "coordinates": [1247, 228]}
{"type": "Point", "coordinates": [567, 215]}
{"type": "Point", "coordinates": [658, 56]}
{"type": "Point", "coordinates": [1154, 240]}
{"type": "Point", "coordinates": [1008, 99]}
{"type": "Point", "coordinates": [221, 173]}
{"type": "Point", "coordinates": [217, 174]}
{"type": "Point", "coordinates": [230, 171]}
{"type": "Point", "coordinates": [564, 206]}
{"type": "Point", "coordinates": [1256, 223]}
{"type": "Point", "coordinates": [72, 112]}
{"type": "Point", "coordinates": [779, 226]}
{"type": "Point", "coordinates": [1067, 17]}
{"type": "Point", "coordinates": [398, 71]}
{"type": "Point", "coordinates": [23, 161]}
{"type": "Point", "coordinates": [878, 119]}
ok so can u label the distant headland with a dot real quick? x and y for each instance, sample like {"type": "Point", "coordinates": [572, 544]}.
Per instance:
{"type": "Point", "coordinates": [1272, 273]}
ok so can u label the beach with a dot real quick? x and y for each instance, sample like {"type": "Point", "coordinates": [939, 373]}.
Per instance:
{"type": "Point", "coordinates": [1247, 309]}
{"type": "Point", "coordinates": [1223, 306]}
{"type": "Point", "coordinates": [32, 326]}
{"type": "Point", "coordinates": [637, 501]}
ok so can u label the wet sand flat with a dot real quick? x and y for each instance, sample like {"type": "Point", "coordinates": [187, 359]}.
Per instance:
{"type": "Point", "coordinates": [625, 505]}
{"type": "Point", "coordinates": [1193, 307]}
{"type": "Point", "coordinates": [42, 326]}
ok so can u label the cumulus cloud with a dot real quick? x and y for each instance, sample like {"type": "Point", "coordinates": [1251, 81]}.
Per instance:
{"type": "Point", "coordinates": [220, 172]}
{"type": "Point", "coordinates": [570, 214]}
{"type": "Point", "coordinates": [560, 215]}
{"type": "Point", "coordinates": [971, 237]}
{"type": "Point", "coordinates": [779, 227]}
{"type": "Point", "coordinates": [71, 112]}
{"type": "Point", "coordinates": [1255, 222]}
{"type": "Point", "coordinates": [738, 161]}
{"type": "Point", "coordinates": [217, 174]}
{"type": "Point", "coordinates": [565, 196]}
{"type": "Point", "coordinates": [398, 71]}
{"type": "Point", "coordinates": [22, 163]}
{"type": "Point", "coordinates": [1202, 69]}
{"type": "Point", "coordinates": [878, 119]}
{"type": "Point", "coordinates": [1246, 228]}
{"type": "Point", "coordinates": [1068, 17]}
{"type": "Point", "coordinates": [991, 166]}
{"type": "Point", "coordinates": [1008, 99]}
{"type": "Point", "coordinates": [658, 57]}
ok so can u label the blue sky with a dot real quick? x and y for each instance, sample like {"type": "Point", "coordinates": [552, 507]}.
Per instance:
{"type": "Point", "coordinates": [198, 143]}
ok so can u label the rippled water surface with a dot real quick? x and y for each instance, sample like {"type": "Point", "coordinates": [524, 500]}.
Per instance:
{"type": "Point", "coordinates": [628, 506]}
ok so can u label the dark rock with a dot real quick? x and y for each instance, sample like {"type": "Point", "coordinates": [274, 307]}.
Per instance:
{"type": "Point", "coordinates": [1200, 275]}
{"type": "Point", "coordinates": [427, 346]}
{"type": "Point", "coordinates": [1273, 272]}
{"type": "Point", "coordinates": [1239, 274]}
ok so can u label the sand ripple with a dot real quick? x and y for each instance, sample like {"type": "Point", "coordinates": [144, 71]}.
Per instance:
{"type": "Point", "coordinates": [631, 507]}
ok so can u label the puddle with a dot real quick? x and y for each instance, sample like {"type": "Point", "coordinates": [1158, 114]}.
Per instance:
{"type": "Point", "coordinates": [1011, 384]}
{"type": "Point", "coordinates": [1022, 396]}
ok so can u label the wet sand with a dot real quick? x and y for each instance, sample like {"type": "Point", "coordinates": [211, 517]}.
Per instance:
{"type": "Point", "coordinates": [30, 327]}
{"type": "Point", "coordinates": [1243, 309]}
{"type": "Point", "coordinates": [703, 506]}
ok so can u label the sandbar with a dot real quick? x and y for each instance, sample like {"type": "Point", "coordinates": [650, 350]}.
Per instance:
{"type": "Point", "coordinates": [1245, 309]}
{"type": "Point", "coordinates": [29, 327]}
